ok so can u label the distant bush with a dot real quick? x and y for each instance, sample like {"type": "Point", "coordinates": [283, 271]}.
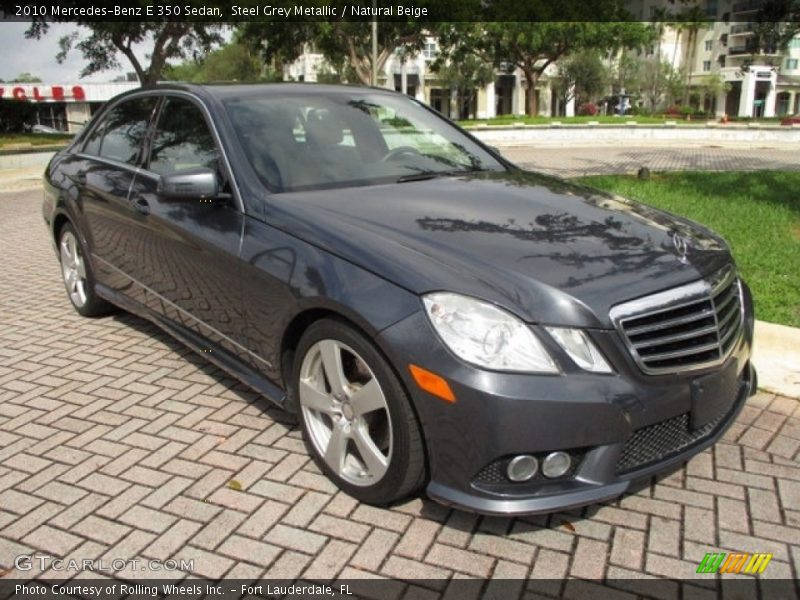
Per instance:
{"type": "Point", "coordinates": [672, 111]}
{"type": "Point", "coordinates": [588, 109]}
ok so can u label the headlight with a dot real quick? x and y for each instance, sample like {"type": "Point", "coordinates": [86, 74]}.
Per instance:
{"type": "Point", "coordinates": [580, 349]}
{"type": "Point", "coordinates": [486, 336]}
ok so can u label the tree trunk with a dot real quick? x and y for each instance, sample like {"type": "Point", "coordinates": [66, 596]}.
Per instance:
{"type": "Point", "coordinates": [692, 39]}
{"type": "Point", "coordinates": [531, 99]}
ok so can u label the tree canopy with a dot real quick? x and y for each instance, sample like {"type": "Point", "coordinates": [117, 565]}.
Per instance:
{"type": "Point", "coordinates": [533, 46]}
{"type": "Point", "coordinates": [106, 41]}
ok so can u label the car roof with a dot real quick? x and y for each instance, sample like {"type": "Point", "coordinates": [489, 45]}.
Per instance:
{"type": "Point", "coordinates": [224, 90]}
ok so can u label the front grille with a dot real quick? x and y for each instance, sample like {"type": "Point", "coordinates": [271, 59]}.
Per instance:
{"type": "Point", "coordinates": [660, 441]}
{"type": "Point", "coordinates": [690, 327]}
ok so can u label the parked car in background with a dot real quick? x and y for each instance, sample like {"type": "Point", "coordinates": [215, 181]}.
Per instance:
{"type": "Point", "coordinates": [436, 318]}
{"type": "Point", "coordinates": [45, 129]}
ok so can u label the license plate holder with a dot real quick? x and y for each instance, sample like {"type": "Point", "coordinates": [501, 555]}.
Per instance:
{"type": "Point", "coordinates": [714, 394]}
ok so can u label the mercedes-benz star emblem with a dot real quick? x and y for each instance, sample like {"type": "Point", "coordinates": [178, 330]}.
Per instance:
{"type": "Point", "coordinates": [681, 248]}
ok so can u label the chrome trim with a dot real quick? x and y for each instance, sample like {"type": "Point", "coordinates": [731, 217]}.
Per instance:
{"type": "Point", "coordinates": [705, 291]}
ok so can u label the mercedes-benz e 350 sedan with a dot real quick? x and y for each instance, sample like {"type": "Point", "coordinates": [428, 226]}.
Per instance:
{"type": "Point", "coordinates": [436, 317]}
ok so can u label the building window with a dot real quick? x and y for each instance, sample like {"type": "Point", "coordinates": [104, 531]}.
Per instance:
{"type": "Point", "coordinates": [795, 42]}
{"type": "Point", "coordinates": [431, 51]}
{"type": "Point", "coordinates": [791, 63]}
{"type": "Point", "coordinates": [709, 45]}
{"type": "Point", "coordinates": [706, 65]}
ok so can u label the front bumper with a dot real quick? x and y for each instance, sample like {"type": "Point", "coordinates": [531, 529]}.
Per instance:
{"type": "Point", "coordinates": [596, 418]}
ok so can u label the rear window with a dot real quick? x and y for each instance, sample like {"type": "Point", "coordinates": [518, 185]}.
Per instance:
{"type": "Point", "coordinates": [121, 133]}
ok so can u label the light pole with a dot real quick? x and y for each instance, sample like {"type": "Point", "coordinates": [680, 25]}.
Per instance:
{"type": "Point", "coordinates": [374, 43]}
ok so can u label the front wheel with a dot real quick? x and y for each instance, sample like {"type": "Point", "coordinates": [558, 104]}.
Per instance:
{"type": "Point", "coordinates": [77, 275]}
{"type": "Point", "coordinates": [356, 417]}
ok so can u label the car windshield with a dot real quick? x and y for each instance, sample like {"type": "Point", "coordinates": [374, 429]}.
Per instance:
{"type": "Point", "coordinates": [301, 142]}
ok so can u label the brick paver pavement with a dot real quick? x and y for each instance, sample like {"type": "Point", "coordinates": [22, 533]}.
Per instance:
{"type": "Point", "coordinates": [117, 442]}
{"type": "Point", "coordinates": [622, 158]}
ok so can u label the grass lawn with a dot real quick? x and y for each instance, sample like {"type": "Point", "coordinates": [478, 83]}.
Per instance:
{"type": "Point", "coordinates": [34, 139]}
{"type": "Point", "coordinates": [758, 213]}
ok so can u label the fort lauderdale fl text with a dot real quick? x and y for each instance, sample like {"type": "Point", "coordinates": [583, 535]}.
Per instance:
{"type": "Point", "coordinates": [95, 591]}
{"type": "Point", "coordinates": [342, 12]}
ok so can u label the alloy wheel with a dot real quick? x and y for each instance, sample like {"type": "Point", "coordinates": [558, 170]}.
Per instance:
{"type": "Point", "coordinates": [73, 269]}
{"type": "Point", "coordinates": [345, 411]}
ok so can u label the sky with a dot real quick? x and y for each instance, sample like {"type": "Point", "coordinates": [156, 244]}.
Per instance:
{"type": "Point", "coordinates": [38, 57]}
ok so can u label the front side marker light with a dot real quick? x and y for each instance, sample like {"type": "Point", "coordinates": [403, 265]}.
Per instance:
{"type": "Point", "coordinates": [432, 383]}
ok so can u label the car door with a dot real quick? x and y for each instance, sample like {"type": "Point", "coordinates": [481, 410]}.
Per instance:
{"type": "Point", "coordinates": [189, 262]}
{"type": "Point", "coordinates": [104, 171]}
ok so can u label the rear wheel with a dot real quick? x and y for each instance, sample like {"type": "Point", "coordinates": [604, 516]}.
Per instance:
{"type": "Point", "coordinates": [77, 274]}
{"type": "Point", "coordinates": [356, 417]}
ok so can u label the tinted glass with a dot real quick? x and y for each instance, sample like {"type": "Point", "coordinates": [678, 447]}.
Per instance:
{"type": "Point", "coordinates": [316, 142]}
{"type": "Point", "coordinates": [120, 135]}
{"type": "Point", "coordinates": [182, 139]}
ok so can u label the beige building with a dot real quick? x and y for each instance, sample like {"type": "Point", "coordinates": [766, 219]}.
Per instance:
{"type": "Point", "coordinates": [767, 87]}
{"type": "Point", "coordinates": [413, 75]}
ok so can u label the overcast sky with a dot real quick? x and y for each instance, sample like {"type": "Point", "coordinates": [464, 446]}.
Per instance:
{"type": "Point", "coordinates": [38, 57]}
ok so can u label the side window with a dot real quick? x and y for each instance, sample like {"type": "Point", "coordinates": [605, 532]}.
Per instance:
{"type": "Point", "coordinates": [119, 136]}
{"type": "Point", "coordinates": [182, 139]}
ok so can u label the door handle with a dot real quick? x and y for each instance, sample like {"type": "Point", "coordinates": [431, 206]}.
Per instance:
{"type": "Point", "coordinates": [141, 205]}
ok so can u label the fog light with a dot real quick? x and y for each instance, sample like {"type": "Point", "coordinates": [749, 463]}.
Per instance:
{"type": "Point", "coordinates": [556, 464]}
{"type": "Point", "coordinates": [522, 467]}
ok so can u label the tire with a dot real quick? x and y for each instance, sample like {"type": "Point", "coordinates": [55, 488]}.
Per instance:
{"type": "Point", "coordinates": [77, 275]}
{"type": "Point", "coordinates": [358, 426]}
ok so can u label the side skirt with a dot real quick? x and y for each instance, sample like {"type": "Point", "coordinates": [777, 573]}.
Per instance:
{"type": "Point", "coordinates": [201, 345]}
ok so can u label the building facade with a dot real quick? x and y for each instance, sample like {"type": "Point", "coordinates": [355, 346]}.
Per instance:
{"type": "Point", "coordinates": [765, 86]}
{"type": "Point", "coordinates": [64, 106]}
{"type": "Point", "coordinates": [768, 87]}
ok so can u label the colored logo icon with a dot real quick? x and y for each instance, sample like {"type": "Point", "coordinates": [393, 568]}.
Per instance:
{"type": "Point", "coordinates": [736, 562]}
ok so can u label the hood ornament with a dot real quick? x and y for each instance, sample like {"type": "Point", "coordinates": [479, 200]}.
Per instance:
{"type": "Point", "coordinates": [681, 245]}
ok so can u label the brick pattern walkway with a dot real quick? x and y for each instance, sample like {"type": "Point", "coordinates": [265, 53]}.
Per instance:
{"type": "Point", "coordinates": [597, 160]}
{"type": "Point", "coordinates": [117, 442]}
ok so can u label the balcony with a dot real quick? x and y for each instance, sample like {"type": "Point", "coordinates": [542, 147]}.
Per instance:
{"type": "Point", "coordinates": [744, 29]}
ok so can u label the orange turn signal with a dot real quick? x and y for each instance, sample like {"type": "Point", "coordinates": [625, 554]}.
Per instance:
{"type": "Point", "coordinates": [432, 383]}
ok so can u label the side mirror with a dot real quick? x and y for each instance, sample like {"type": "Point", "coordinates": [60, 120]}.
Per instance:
{"type": "Point", "coordinates": [496, 150]}
{"type": "Point", "coordinates": [192, 184]}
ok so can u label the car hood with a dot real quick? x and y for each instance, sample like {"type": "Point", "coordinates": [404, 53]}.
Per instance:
{"type": "Point", "coordinates": [548, 250]}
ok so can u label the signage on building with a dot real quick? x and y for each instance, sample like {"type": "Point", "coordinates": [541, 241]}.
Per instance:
{"type": "Point", "coordinates": [44, 93]}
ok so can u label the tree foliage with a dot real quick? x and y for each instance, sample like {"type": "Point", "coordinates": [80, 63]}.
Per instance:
{"type": "Point", "coordinates": [532, 46]}
{"type": "Point", "coordinates": [582, 76]}
{"type": "Point", "coordinates": [105, 42]}
{"type": "Point", "coordinates": [656, 82]}
{"type": "Point", "coordinates": [463, 77]}
{"type": "Point", "coordinates": [347, 46]}
{"type": "Point", "coordinates": [776, 23]}
{"type": "Point", "coordinates": [232, 62]}
{"type": "Point", "coordinates": [26, 78]}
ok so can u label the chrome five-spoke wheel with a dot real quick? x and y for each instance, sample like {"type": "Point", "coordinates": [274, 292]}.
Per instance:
{"type": "Point", "coordinates": [346, 413]}
{"type": "Point", "coordinates": [73, 269]}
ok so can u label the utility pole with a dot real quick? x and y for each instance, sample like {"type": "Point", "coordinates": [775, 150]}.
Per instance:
{"type": "Point", "coordinates": [374, 43]}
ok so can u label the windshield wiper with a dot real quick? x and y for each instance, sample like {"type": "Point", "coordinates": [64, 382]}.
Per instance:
{"type": "Point", "coordinates": [423, 175]}
{"type": "Point", "coordinates": [420, 176]}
